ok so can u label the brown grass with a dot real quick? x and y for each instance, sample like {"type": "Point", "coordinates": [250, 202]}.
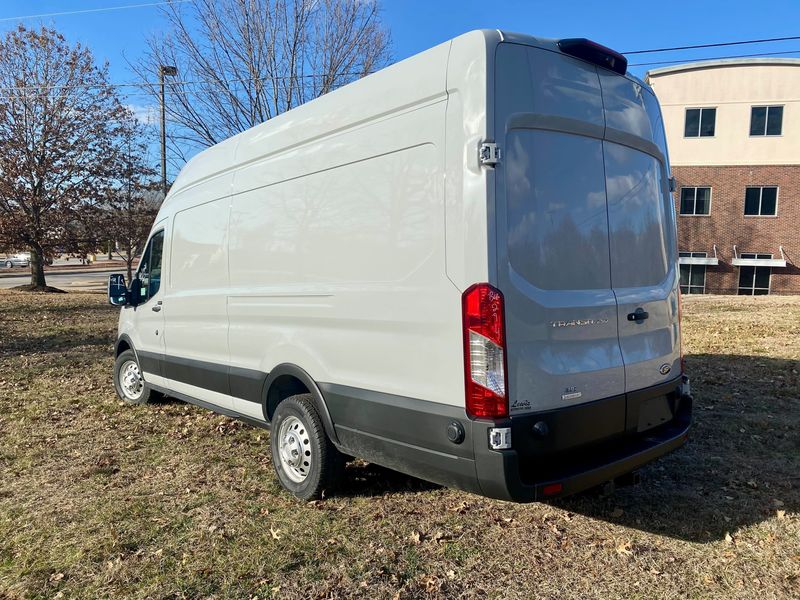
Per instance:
{"type": "Point", "coordinates": [100, 499]}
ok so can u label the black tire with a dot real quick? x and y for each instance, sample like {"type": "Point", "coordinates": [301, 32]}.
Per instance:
{"type": "Point", "coordinates": [124, 389]}
{"type": "Point", "coordinates": [9, 264]}
{"type": "Point", "coordinates": [325, 466]}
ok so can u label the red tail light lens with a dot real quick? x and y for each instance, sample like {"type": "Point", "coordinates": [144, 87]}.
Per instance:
{"type": "Point", "coordinates": [552, 489]}
{"type": "Point", "coordinates": [485, 352]}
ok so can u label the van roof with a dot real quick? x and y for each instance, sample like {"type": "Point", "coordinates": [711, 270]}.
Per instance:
{"type": "Point", "coordinates": [298, 125]}
{"type": "Point", "coordinates": [428, 71]}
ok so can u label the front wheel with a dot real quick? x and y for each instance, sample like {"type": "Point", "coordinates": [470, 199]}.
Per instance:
{"type": "Point", "coordinates": [128, 379]}
{"type": "Point", "coordinates": [305, 460]}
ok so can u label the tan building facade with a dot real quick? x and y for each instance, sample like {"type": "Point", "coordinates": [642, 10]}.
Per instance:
{"type": "Point", "coordinates": [733, 131]}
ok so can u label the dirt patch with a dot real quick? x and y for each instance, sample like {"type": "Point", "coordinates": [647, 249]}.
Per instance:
{"type": "Point", "coordinates": [101, 499]}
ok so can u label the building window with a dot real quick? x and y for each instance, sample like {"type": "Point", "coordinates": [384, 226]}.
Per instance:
{"type": "Point", "coordinates": [695, 200]}
{"type": "Point", "coordinates": [693, 277]}
{"type": "Point", "coordinates": [754, 281]}
{"type": "Point", "coordinates": [700, 122]}
{"type": "Point", "coordinates": [761, 201]}
{"type": "Point", "coordinates": [766, 120]}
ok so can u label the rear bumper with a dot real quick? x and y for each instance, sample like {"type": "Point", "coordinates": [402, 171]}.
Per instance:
{"type": "Point", "coordinates": [537, 469]}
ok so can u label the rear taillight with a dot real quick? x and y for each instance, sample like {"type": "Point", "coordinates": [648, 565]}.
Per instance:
{"type": "Point", "coordinates": [485, 352]}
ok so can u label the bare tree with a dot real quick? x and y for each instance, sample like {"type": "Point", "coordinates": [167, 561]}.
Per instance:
{"type": "Point", "coordinates": [60, 122]}
{"type": "Point", "coordinates": [241, 62]}
{"type": "Point", "coordinates": [131, 205]}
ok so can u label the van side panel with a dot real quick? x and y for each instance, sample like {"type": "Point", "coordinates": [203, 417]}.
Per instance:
{"type": "Point", "coordinates": [341, 270]}
{"type": "Point", "coordinates": [195, 308]}
{"type": "Point", "coordinates": [320, 123]}
{"type": "Point", "coordinates": [338, 266]}
{"type": "Point", "coordinates": [469, 187]}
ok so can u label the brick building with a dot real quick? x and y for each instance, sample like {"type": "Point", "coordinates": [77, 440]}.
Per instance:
{"type": "Point", "coordinates": [733, 131]}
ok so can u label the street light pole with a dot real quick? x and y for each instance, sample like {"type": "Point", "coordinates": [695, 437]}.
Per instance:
{"type": "Point", "coordinates": [172, 71]}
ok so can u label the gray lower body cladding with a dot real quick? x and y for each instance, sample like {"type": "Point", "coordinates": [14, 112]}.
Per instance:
{"type": "Point", "coordinates": [584, 445]}
{"type": "Point", "coordinates": [404, 434]}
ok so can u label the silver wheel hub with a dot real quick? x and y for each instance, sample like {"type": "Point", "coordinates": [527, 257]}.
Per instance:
{"type": "Point", "coordinates": [294, 446]}
{"type": "Point", "coordinates": [131, 381]}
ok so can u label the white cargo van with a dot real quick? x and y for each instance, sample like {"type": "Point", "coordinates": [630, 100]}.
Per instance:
{"type": "Point", "coordinates": [462, 267]}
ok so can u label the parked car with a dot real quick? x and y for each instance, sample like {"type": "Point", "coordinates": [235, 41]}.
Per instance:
{"type": "Point", "coordinates": [462, 267]}
{"type": "Point", "coordinates": [17, 260]}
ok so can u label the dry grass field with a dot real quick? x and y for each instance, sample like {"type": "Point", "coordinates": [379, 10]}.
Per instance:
{"type": "Point", "coordinates": [101, 500]}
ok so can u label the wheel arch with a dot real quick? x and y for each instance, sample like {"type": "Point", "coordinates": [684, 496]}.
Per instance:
{"type": "Point", "coordinates": [287, 380]}
{"type": "Point", "coordinates": [124, 343]}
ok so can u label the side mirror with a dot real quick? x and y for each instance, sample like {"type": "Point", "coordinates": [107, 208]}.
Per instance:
{"type": "Point", "coordinates": [117, 291]}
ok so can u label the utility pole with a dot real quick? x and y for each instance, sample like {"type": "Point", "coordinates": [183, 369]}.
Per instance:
{"type": "Point", "coordinates": [171, 71]}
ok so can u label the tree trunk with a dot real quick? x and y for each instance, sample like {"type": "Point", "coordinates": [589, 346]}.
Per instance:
{"type": "Point", "coordinates": [110, 246]}
{"type": "Point", "coordinates": [129, 263]}
{"type": "Point", "coordinates": [37, 268]}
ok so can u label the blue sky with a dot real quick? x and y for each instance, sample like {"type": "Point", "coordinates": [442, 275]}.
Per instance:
{"type": "Point", "coordinates": [624, 25]}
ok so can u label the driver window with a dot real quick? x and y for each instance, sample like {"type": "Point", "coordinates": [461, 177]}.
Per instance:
{"type": "Point", "coordinates": [149, 272]}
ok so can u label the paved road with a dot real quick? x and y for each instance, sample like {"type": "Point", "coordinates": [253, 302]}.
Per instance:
{"type": "Point", "coordinates": [65, 281]}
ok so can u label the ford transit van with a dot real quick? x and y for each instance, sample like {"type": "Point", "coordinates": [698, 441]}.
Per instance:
{"type": "Point", "coordinates": [462, 267]}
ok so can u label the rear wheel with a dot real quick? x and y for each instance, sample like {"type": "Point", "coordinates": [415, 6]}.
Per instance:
{"type": "Point", "coordinates": [9, 264]}
{"type": "Point", "coordinates": [305, 460]}
{"type": "Point", "coordinates": [128, 379]}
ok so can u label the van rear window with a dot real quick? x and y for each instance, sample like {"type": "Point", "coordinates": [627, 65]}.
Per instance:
{"type": "Point", "coordinates": [640, 214]}
{"type": "Point", "coordinates": [557, 222]}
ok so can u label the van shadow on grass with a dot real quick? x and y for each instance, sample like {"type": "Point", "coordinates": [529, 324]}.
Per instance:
{"type": "Point", "coordinates": [367, 479]}
{"type": "Point", "coordinates": [740, 467]}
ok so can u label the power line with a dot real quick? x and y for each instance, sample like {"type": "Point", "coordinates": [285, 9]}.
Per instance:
{"type": "Point", "coordinates": [688, 60]}
{"type": "Point", "coordinates": [717, 45]}
{"type": "Point", "coordinates": [92, 10]}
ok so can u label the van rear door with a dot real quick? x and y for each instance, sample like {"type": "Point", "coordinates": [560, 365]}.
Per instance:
{"type": "Point", "coordinates": [641, 217]}
{"type": "Point", "coordinates": [554, 266]}
{"type": "Point", "coordinates": [585, 234]}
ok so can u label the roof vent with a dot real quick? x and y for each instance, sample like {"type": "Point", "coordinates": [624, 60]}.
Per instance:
{"type": "Point", "coordinates": [594, 53]}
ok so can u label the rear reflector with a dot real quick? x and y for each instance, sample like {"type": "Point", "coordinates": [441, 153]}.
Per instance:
{"type": "Point", "coordinates": [594, 53]}
{"type": "Point", "coordinates": [552, 489]}
{"type": "Point", "coordinates": [484, 352]}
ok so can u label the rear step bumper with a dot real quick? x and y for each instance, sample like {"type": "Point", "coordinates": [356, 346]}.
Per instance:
{"type": "Point", "coordinates": [523, 475]}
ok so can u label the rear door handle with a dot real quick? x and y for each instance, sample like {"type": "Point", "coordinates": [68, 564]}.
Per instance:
{"type": "Point", "coordinates": [157, 307]}
{"type": "Point", "coordinates": [639, 315]}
